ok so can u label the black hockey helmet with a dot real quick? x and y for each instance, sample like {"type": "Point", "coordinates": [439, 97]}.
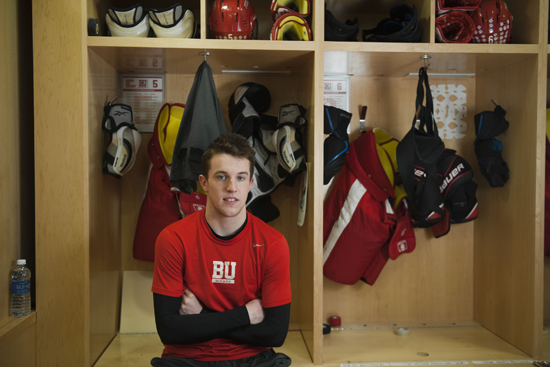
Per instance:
{"type": "Point", "coordinates": [335, 30]}
{"type": "Point", "coordinates": [402, 26]}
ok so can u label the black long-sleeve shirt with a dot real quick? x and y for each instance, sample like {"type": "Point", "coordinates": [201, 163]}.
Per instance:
{"type": "Point", "coordinates": [174, 328]}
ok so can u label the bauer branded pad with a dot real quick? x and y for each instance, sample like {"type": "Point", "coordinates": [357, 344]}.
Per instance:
{"type": "Point", "coordinates": [174, 22]}
{"type": "Point", "coordinates": [290, 27]}
{"type": "Point", "coordinates": [458, 191]}
{"type": "Point", "coordinates": [130, 22]}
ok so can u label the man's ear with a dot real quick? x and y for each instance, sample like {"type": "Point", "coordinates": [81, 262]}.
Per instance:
{"type": "Point", "coordinates": [203, 182]}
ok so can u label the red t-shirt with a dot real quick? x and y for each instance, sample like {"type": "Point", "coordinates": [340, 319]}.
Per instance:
{"type": "Point", "coordinates": [222, 274]}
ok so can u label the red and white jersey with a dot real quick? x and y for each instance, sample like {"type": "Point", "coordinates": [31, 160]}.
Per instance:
{"type": "Point", "coordinates": [365, 219]}
{"type": "Point", "coordinates": [222, 274]}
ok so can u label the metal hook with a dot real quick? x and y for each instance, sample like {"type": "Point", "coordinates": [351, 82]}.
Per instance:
{"type": "Point", "coordinates": [206, 53]}
{"type": "Point", "coordinates": [426, 58]}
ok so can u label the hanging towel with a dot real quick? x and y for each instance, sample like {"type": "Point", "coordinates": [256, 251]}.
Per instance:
{"type": "Point", "coordinates": [201, 124]}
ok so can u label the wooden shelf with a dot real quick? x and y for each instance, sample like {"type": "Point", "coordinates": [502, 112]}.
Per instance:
{"type": "Point", "coordinates": [468, 48]}
{"type": "Point", "coordinates": [200, 44]}
{"type": "Point", "coordinates": [14, 326]}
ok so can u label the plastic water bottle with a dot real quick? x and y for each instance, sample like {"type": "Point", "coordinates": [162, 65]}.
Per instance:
{"type": "Point", "coordinates": [20, 289]}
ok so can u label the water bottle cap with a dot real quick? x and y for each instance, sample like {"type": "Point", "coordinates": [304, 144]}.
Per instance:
{"type": "Point", "coordinates": [21, 262]}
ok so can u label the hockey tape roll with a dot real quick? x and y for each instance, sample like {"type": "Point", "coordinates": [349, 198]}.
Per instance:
{"type": "Point", "coordinates": [335, 321]}
{"type": "Point", "coordinates": [326, 329]}
{"type": "Point", "coordinates": [402, 331]}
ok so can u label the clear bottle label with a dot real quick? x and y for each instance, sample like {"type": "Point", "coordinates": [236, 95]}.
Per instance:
{"type": "Point", "coordinates": [20, 286]}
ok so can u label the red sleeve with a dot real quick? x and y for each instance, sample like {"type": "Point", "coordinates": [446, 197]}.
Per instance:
{"type": "Point", "coordinates": [276, 285]}
{"type": "Point", "coordinates": [169, 265]}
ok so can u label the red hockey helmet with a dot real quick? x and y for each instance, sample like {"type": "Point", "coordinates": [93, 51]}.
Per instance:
{"type": "Point", "coordinates": [493, 22]}
{"type": "Point", "coordinates": [233, 19]}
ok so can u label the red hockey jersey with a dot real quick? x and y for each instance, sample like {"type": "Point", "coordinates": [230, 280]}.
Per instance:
{"type": "Point", "coordinates": [366, 220]}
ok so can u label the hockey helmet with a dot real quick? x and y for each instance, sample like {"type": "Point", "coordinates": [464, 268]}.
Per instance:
{"type": "Point", "coordinates": [444, 6]}
{"type": "Point", "coordinates": [300, 7]}
{"type": "Point", "coordinates": [174, 22]}
{"type": "Point", "coordinates": [233, 19]}
{"type": "Point", "coordinates": [129, 22]}
{"type": "Point", "coordinates": [493, 22]}
{"type": "Point", "coordinates": [454, 27]}
{"type": "Point", "coordinates": [336, 30]}
{"type": "Point", "coordinates": [290, 27]}
{"type": "Point", "coordinates": [402, 26]}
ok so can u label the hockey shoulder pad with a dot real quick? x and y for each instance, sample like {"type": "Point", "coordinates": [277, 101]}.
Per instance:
{"type": "Point", "coordinates": [458, 191]}
{"type": "Point", "coordinates": [247, 122]}
{"type": "Point", "coordinates": [266, 173]}
{"type": "Point", "coordinates": [293, 115]}
{"type": "Point", "coordinates": [130, 22]}
{"type": "Point", "coordinates": [257, 95]}
{"type": "Point", "coordinates": [267, 128]}
{"type": "Point", "coordinates": [174, 22]}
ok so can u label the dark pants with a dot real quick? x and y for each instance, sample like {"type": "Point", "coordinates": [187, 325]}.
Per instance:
{"type": "Point", "coordinates": [267, 358]}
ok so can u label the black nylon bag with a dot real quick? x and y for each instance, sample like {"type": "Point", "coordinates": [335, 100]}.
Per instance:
{"type": "Point", "coordinates": [417, 157]}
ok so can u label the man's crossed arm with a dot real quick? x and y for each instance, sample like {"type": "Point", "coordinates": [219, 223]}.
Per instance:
{"type": "Point", "coordinates": [183, 320]}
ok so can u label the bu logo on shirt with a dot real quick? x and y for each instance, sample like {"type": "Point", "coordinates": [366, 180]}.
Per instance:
{"type": "Point", "coordinates": [224, 272]}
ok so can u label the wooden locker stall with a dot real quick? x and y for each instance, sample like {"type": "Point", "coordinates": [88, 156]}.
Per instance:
{"type": "Point", "coordinates": [95, 215]}
{"type": "Point", "coordinates": [475, 294]}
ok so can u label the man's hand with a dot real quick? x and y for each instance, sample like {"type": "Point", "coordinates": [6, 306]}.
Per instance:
{"type": "Point", "coordinates": [255, 311]}
{"type": "Point", "coordinates": [190, 305]}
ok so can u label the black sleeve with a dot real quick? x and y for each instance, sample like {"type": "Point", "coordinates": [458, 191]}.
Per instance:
{"type": "Point", "coordinates": [174, 328]}
{"type": "Point", "coordinates": [271, 332]}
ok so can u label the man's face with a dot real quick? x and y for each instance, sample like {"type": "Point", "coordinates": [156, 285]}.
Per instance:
{"type": "Point", "coordinates": [227, 185]}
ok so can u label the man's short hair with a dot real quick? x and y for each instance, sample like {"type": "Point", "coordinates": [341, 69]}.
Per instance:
{"type": "Point", "coordinates": [232, 144]}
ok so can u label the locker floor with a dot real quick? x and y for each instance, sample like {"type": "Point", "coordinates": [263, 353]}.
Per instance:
{"type": "Point", "coordinates": [376, 346]}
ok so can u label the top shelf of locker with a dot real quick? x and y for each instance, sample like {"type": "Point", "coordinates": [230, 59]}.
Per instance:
{"type": "Point", "coordinates": [529, 18]}
{"type": "Point", "coordinates": [199, 44]}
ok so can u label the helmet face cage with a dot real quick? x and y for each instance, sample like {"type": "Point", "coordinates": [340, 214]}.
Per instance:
{"type": "Point", "coordinates": [493, 22]}
{"type": "Point", "coordinates": [233, 19]}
